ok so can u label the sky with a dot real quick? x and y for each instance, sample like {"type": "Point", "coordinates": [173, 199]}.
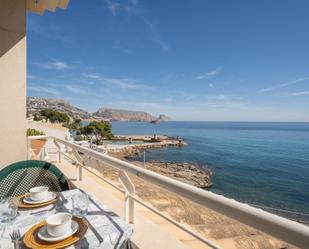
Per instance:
{"type": "Point", "coordinates": [199, 60]}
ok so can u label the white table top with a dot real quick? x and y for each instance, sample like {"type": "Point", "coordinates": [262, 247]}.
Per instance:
{"type": "Point", "coordinates": [104, 224]}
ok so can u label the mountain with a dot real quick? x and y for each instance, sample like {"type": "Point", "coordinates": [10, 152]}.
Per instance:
{"type": "Point", "coordinates": [123, 115]}
{"type": "Point", "coordinates": [36, 104]}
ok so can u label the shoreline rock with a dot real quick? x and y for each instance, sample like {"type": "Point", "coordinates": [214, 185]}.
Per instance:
{"type": "Point", "coordinates": [189, 173]}
{"type": "Point", "coordinates": [185, 172]}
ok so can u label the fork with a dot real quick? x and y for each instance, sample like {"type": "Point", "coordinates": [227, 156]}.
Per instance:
{"type": "Point", "coordinates": [15, 236]}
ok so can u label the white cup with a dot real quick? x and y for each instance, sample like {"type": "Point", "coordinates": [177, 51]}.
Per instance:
{"type": "Point", "coordinates": [38, 193]}
{"type": "Point", "coordinates": [59, 224]}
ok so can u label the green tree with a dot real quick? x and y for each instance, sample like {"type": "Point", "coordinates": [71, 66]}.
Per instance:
{"type": "Point", "coordinates": [100, 129]}
{"type": "Point", "coordinates": [55, 116]}
{"type": "Point", "coordinates": [36, 117]}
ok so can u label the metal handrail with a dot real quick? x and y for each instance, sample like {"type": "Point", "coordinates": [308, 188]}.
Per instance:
{"type": "Point", "coordinates": [279, 227]}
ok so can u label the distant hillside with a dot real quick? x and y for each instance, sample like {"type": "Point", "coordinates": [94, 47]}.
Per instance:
{"type": "Point", "coordinates": [36, 104]}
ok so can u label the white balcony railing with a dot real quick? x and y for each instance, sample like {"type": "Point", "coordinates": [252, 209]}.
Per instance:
{"type": "Point", "coordinates": [284, 229]}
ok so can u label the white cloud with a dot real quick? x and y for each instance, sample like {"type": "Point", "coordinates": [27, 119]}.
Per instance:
{"type": "Point", "coordinates": [59, 65]}
{"type": "Point", "coordinates": [217, 97]}
{"type": "Point", "coordinates": [112, 6]}
{"type": "Point", "coordinates": [75, 89]}
{"type": "Point", "coordinates": [167, 77]}
{"type": "Point", "coordinates": [48, 30]}
{"type": "Point", "coordinates": [211, 85]}
{"type": "Point", "coordinates": [30, 76]}
{"type": "Point", "coordinates": [206, 75]}
{"type": "Point", "coordinates": [54, 65]}
{"type": "Point", "coordinates": [93, 76]}
{"type": "Point", "coordinates": [43, 89]}
{"type": "Point", "coordinates": [289, 83]}
{"type": "Point", "coordinates": [121, 83]}
{"type": "Point", "coordinates": [156, 35]}
{"type": "Point", "coordinates": [304, 93]}
{"type": "Point", "coordinates": [132, 8]}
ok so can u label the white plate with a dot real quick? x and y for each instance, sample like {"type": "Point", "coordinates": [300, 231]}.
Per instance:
{"type": "Point", "coordinates": [50, 196]}
{"type": "Point", "coordinates": [43, 234]}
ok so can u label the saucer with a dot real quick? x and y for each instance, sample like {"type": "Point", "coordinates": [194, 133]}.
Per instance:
{"type": "Point", "coordinates": [43, 234]}
{"type": "Point", "coordinates": [50, 196]}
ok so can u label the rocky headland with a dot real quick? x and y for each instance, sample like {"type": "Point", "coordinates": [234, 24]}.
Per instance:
{"type": "Point", "coordinates": [123, 115]}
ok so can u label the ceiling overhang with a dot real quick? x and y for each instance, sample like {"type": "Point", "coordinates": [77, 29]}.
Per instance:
{"type": "Point", "coordinates": [39, 6]}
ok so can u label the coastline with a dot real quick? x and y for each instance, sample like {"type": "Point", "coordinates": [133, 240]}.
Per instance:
{"type": "Point", "coordinates": [210, 224]}
{"type": "Point", "coordinates": [246, 156]}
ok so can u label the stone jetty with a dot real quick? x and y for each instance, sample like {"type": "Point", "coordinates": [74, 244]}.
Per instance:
{"type": "Point", "coordinates": [145, 142]}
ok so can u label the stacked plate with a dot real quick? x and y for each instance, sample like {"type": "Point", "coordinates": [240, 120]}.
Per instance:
{"type": "Point", "coordinates": [49, 197]}
{"type": "Point", "coordinates": [56, 232]}
{"type": "Point", "coordinates": [37, 197]}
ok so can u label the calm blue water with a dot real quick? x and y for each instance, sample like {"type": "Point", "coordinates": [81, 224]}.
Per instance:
{"type": "Point", "coordinates": [261, 163]}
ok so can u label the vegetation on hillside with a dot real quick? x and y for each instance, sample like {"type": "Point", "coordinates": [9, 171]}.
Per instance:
{"type": "Point", "coordinates": [34, 132]}
{"type": "Point", "coordinates": [55, 116]}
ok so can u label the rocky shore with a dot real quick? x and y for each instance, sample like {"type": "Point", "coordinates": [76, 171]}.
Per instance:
{"type": "Point", "coordinates": [182, 171]}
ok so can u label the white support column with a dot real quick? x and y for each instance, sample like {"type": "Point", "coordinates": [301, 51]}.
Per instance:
{"type": "Point", "coordinates": [129, 201]}
{"type": "Point", "coordinates": [79, 167]}
{"type": "Point", "coordinates": [43, 153]}
{"type": "Point", "coordinates": [58, 152]}
{"type": "Point", "coordinates": [29, 149]}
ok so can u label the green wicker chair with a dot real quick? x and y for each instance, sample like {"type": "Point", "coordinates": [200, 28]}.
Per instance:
{"type": "Point", "coordinates": [17, 178]}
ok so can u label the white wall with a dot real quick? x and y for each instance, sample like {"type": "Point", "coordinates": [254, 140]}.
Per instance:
{"type": "Point", "coordinates": [13, 146]}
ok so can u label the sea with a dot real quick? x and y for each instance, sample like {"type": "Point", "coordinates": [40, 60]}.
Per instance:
{"type": "Point", "coordinates": [261, 163]}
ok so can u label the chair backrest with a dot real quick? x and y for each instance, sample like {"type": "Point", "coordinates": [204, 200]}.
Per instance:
{"type": "Point", "coordinates": [17, 178]}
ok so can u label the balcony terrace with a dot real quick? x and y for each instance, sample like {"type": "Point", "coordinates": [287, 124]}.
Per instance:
{"type": "Point", "coordinates": [183, 216]}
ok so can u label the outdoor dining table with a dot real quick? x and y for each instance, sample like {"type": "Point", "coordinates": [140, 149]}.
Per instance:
{"type": "Point", "coordinates": [105, 229]}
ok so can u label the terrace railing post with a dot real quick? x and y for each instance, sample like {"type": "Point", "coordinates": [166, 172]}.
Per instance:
{"type": "Point", "coordinates": [129, 201]}
{"type": "Point", "coordinates": [79, 167]}
{"type": "Point", "coordinates": [29, 149]}
{"type": "Point", "coordinates": [58, 151]}
{"type": "Point", "coordinates": [43, 153]}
